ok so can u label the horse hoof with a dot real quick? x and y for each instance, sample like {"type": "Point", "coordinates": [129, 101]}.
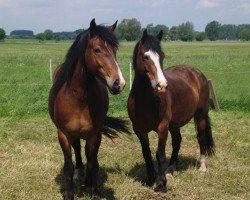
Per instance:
{"type": "Point", "coordinates": [169, 176]}
{"type": "Point", "coordinates": [95, 193]}
{"type": "Point", "coordinates": [160, 189]}
{"type": "Point", "coordinates": [150, 181]}
{"type": "Point", "coordinates": [68, 196]}
{"type": "Point", "coordinates": [203, 168]}
{"type": "Point", "coordinates": [78, 175]}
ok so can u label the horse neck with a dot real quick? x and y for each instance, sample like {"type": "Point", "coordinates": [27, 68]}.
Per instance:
{"type": "Point", "coordinates": [141, 82]}
{"type": "Point", "coordinates": [78, 83]}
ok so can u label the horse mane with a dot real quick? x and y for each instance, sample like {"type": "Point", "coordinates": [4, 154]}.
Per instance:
{"type": "Point", "coordinates": [77, 51]}
{"type": "Point", "coordinates": [149, 43]}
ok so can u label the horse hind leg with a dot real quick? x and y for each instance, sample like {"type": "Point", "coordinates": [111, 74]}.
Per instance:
{"type": "Point", "coordinates": [79, 168]}
{"type": "Point", "coordinates": [176, 144]}
{"type": "Point", "coordinates": [68, 168]}
{"type": "Point", "coordinates": [205, 139]}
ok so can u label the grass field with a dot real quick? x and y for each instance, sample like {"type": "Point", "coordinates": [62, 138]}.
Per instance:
{"type": "Point", "coordinates": [31, 159]}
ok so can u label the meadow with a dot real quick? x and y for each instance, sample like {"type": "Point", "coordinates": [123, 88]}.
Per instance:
{"type": "Point", "coordinates": [30, 156]}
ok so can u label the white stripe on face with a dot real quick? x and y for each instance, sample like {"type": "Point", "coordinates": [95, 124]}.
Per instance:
{"type": "Point", "coordinates": [109, 80]}
{"type": "Point", "coordinates": [160, 78]}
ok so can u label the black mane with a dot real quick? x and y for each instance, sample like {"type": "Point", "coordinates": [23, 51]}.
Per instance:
{"type": "Point", "coordinates": [77, 51]}
{"type": "Point", "coordinates": [149, 43]}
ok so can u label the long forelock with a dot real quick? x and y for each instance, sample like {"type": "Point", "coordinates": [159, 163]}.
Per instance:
{"type": "Point", "coordinates": [151, 43]}
{"type": "Point", "coordinates": [106, 35]}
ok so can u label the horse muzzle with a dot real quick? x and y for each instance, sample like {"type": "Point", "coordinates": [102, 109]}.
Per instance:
{"type": "Point", "coordinates": [161, 87]}
{"type": "Point", "coordinates": [117, 86]}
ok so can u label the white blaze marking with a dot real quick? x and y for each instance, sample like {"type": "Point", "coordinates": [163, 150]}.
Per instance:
{"type": "Point", "coordinates": [122, 81]}
{"type": "Point", "coordinates": [160, 78]}
{"type": "Point", "coordinates": [109, 80]}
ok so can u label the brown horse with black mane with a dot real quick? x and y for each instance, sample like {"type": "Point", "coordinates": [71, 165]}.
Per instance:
{"type": "Point", "coordinates": [167, 100]}
{"type": "Point", "coordinates": [78, 101]}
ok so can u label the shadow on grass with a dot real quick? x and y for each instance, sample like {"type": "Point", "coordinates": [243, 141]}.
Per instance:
{"type": "Point", "coordinates": [81, 191]}
{"type": "Point", "coordinates": [138, 172]}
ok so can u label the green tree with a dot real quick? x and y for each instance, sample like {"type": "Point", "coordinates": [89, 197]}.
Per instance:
{"type": "Point", "coordinates": [41, 37]}
{"type": "Point", "coordinates": [186, 31]}
{"type": "Point", "coordinates": [2, 34]}
{"type": "Point", "coordinates": [48, 34]}
{"type": "Point", "coordinates": [245, 34]}
{"type": "Point", "coordinates": [212, 30]}
{"type": "Point", "coordinates": [174, 33]}
{"type": "Point", "coordinates": [200, 36]}
{"type": "Point", "coordinates": [57, 38]}
{"type": "Point", "coordinates": [129, 29]}
{"type": "Point", "coordinates": [154, 30]}
{"type": "Point", "coordinates": [228, 32]}
{"type": "Point", "coordinates": [240, 28]}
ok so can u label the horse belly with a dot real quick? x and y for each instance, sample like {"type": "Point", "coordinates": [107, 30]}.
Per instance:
{"type": "Point", "coordinates": [184, 111]}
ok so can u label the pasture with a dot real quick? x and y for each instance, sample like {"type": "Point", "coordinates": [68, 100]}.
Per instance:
{"type": "Point", "coordinates": [31, 159]}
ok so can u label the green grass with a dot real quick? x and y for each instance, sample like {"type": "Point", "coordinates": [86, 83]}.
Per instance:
{"type": "Point", "coordinates": [30, 156]}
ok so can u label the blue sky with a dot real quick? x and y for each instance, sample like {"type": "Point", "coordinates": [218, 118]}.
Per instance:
{"type": "Point", "coordinates": [69, 15]}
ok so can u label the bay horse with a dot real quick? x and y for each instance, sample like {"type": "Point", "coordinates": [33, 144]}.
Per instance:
{"type": "Point", "coordinates": [162, 100]}
{"type": "Point", "coordinates": [78, 99]}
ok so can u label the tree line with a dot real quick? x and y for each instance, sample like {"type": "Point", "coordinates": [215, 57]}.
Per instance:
{"type": "Point", "coordinates": [131, 30]}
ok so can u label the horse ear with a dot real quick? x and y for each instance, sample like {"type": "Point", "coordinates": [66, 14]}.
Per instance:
{"type": "Point", "coordinates": [92, 25]}
{"type": "Point", "coordinates": [159, 35]}
{"type": "Point", "coordinates": [144, 35]}
{"type": "Point", "coordinates": [112, 28]}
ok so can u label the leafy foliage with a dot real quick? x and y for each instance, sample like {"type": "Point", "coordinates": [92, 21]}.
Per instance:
{"type": "Point", "coordinates": [186, 31]}
{"type": "Point", "coordinates": [129, 29]}
{"type": "Point", "coordinates": [48, 34]}
{"type": "Point", "coordinates": [40, 37]}
{"type": "Point", "coordinates": [227, 32]}
{"type": "Point", "coordinates": [22, 33]}
{"type": "Point", "coordinates": [154, 30]}
{"type": "Point", "coordinates": [212, 30]}
{"type": "Point", "coordinates": [245, 34]}
{"type": "Point", "coordinates": [2, 34]}
{"type": "Point", "coordinates": [201, 36]}
{"type": "Point", "coordinates": [174, 33]}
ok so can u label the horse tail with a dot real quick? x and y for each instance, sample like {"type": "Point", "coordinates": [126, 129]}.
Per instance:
{"type": "Point", "coordinates": [113, 126]}
{"type": "Point", "coordinates": [209, 146]}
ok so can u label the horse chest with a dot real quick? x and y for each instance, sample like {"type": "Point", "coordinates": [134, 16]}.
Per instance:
{"type": "Point", "coordinates": [146, 111]}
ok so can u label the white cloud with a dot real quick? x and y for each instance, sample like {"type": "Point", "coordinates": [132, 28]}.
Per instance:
{"type": "Point", "coordinates": [244, 7]}
{"type": "Point", "coordinates": [207, 4]}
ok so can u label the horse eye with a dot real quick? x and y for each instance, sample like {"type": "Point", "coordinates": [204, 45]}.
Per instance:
{"type": "Point", "coordinates": [145, 57]}
{"type": "Point", "coordinates": [97, 50]}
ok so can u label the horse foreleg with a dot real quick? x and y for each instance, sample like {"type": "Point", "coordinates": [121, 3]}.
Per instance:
{"type": "Point", "coordinates": [176, 144]}
{"type": "Point", "coordinates": [79, 168]}
{"type": "Point", "coordinates": [148, 158]}
{"type": "Point", "coordinates": [161, 180]}
{"type": "Point", "coordinates": [92, 167]}
{"type": "Point", "coordinates": [68, 168]}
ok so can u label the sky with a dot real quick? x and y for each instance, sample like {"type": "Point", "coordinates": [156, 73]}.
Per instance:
{"type": "Point", "coordinates": [70, 15]}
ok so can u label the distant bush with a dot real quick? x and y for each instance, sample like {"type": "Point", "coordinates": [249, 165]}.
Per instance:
{"type": "Point", "coordinates": [41, 37]}
{"type": "Point", "coordinates": [245, 34]}
{"type": "Point", "coordinates": [57, 38]}
{"type": "Point", "coordinates": [201, 36]}
{"type": "Point", "coordinates": [2, 34]}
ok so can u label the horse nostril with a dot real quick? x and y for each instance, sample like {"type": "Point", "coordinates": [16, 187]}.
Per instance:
{"type": "Point", "coordinates": [161, 87]}
{"type": "Point", "coordinates": [116, 85]}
